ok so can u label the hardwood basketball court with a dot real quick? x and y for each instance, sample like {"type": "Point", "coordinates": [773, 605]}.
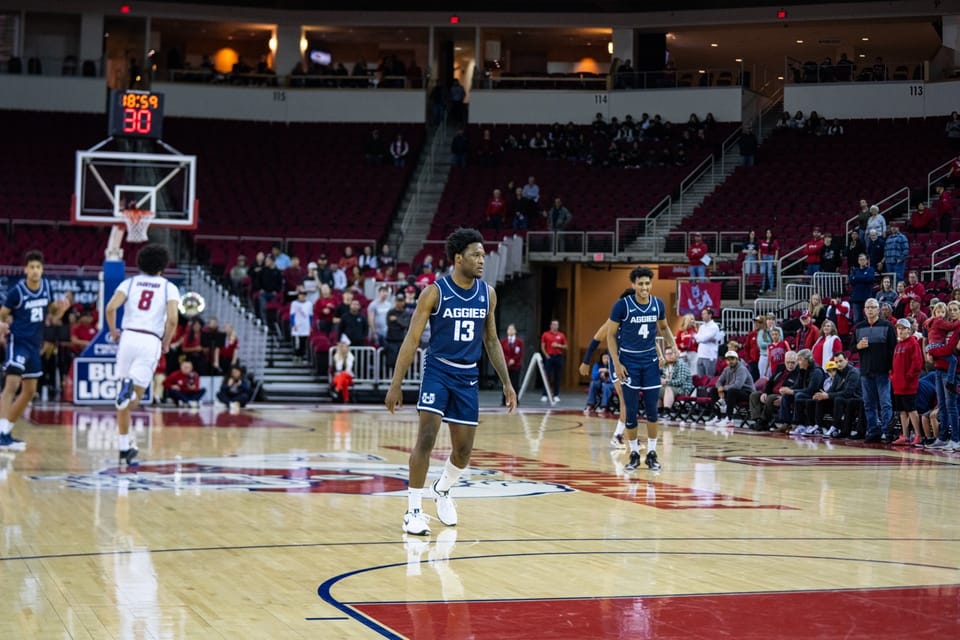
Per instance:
{"type": "Point", "coordinates": [284, 522]}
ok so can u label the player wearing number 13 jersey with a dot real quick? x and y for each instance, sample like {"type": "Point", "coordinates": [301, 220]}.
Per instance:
{"type": "Point", "coordinates": [460, 310]}
{"type": "Point", "coordinates": [149, 303]}
{"type": "Point", "coordinates": [25, 308]}
{"type": "Point", "coordinates": [632, 340]}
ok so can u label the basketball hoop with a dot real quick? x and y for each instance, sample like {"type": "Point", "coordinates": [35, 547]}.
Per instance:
{"type": "Point", "coordinates": [137, 221]}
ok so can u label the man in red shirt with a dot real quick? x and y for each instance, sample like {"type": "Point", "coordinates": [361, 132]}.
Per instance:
{"type": "Point", "coordinates": [696, 252]}
{"type": "Point", "coordinates": [183, 386]}
{"type": "Point", "coordinates": [496, 208]}
{"type": "Point", "coordinates": [553, 345]}
{"type": "Point", "coordinates": [914, 289]}
{"type": "Point", "coordinates": [82, 333]}
{"type": "Point", "coordinates": [513, 353]}
{"type": "Point", "coordinates": [812, 250]}
{"type": "Point", "coordinates": [808, 333]}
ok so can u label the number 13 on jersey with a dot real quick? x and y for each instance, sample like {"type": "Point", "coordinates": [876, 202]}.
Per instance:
{"type": "Point", "coordinates": [464, 330]}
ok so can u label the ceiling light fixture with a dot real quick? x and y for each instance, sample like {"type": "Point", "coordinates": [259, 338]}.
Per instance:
{"type": "Point", "coordinates": [714, 44]}
{"type": "Point", "coordinates": [738, 59]}
{"type": "Point", "coordinates": [865, 39]}
{"type": "Point", "coordinates": [799, 41]}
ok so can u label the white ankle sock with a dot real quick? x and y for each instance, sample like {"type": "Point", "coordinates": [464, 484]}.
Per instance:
{"type": "Point", "coordinates": [652, 444]}
{"type": "Point", "coordinates": [414, 499]}
{"type": "Point", "coordinates": [621, 427]}
{"type": "Point", "coordinates": [449, 477]}
{"type": "Point", "coordinates": [5, 426]}
{"type": "Point", "coordinates": [635, 446]}
{"type": "Point", "coordinates": [124, 441]}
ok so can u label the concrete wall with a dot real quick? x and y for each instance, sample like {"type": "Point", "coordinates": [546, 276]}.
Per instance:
{"type": "Point", "coordinates": [874, 100]}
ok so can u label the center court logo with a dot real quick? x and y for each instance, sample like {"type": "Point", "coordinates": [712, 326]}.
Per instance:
{"type": "Point", "coordinates": [351, 474]}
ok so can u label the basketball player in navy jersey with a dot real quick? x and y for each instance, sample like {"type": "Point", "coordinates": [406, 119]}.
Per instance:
{"type": "Point", "coordinates": [460, 308]}
{"type": "Point", "coordinates": [27, 303]}
{"type": "Point", "coordinates": [632, 340]}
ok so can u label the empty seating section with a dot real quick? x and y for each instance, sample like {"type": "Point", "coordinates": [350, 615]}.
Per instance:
{"type": "Point", "coordinates": [596, 196]}
{"type": "Point", "coordinates": [266, 180]}
{"type": "Point", "coordinates": [801, 181]}
{"type": "Point", "coordinates": [292, 180]}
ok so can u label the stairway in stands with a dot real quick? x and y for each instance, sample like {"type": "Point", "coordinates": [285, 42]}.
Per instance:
{"type": "Point", "coordinates": [289, 379]}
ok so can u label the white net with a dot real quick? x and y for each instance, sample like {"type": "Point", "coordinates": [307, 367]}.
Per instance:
{"type": "Point", "coordinates": [138, 221]}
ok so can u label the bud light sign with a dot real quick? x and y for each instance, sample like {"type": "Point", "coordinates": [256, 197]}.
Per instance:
{"type": "Point", "coordinates": [95, 381]}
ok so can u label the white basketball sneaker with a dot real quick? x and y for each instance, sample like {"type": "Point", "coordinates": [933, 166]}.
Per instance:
{"type": "Point", "coordinates": [446, 507]}
{"type": "Point", "coordinates": [415, 523]}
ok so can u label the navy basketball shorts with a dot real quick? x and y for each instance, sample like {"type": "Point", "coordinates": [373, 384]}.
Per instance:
{"type": "Point", "coordinates": [450, 392]}
{"type": "Point", "coordinates": [643, 374]}
{"type": "Point", "coordinates": [23, 359]}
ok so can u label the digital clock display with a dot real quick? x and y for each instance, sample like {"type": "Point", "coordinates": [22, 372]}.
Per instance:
{"type": "Point", "coordinates": [136, 114]}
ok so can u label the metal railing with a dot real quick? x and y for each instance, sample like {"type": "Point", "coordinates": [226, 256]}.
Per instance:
{"type": "Point", "coordinates": [226, 307]}
{"type": "Point", "coordinates": [727, 145]}
{"type": "Point", "coordinates": [943, 255]}
{"type": "Point", "coordinates": [664, 207]}
{"type": "Point", "coordinates": [370, 371]}
{"type": "Point", "coordinates": [426, 175]}
{"type": "Point", "coordinates": [687, 183]}
{"type": "Point", "coordinates": [886, 205]}
{"type": "Point", "coordinates": [811, 72]}
{"type": "Point", "coordinates": [935, 176]}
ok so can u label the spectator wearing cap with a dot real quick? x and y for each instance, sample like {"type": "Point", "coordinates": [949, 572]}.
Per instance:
{"type": "Point", "coordinates": [324, 272]}
{"type": "Point", "coordinates": [698, 257]}
{"type": "Point", "coordinates": [908, 364]}
{"type": "Point", "coordinates": [812, 251]}
{"type": "Point", "coordinates": [875, 339]}
{"type": "Point", "coordinates": [807, 335]}
{"type": "Point", "coordinates": [734, 386]}
{"type": "Point", "coordinates": [896, 250]}
{"type": "Point", "coordinates": [751, 349]}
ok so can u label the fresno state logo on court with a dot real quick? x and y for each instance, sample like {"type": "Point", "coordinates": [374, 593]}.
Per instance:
{"type": "Point", "coordinates": [343, 473]}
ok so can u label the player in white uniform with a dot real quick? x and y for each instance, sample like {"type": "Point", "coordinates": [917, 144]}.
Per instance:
{"type": "Point", "coordinates": [149, 304]}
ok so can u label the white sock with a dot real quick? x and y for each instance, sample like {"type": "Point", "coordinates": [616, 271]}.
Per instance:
{"type": "Point", "coordinates": [652, 444]}
{"type": "Point", "coordinates": [621, 427]}
{"type": "Point", "coordinates": [451, 473]}
{"type": "Point", "coordinates": [5, 426]}
{"type": "Point", "coordinates": [124, 441]}
{"type": "Point", "coordinates": [414, 499]}
{"type": "Point", "coordinates": [635, 446]}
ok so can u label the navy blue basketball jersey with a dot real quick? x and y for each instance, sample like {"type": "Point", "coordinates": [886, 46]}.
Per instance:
{"type": "Point", "coordinates": [456, 327]}
{"type": "Point", "coordinates": [29, 311]}
{"type": "Point", "coordinates": [637, 332]}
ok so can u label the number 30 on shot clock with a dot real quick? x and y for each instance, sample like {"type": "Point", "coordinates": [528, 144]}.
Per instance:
{"type": "Point", "coordinates": [136, 114]}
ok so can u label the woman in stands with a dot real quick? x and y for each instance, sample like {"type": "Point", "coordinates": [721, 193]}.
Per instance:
{"type": "Point", "coordinates": [816, 309]}
{"type": "Point", "coordinates": [764, 340]}
{"type": "Point", "coordinates": [827, 344]}
{"type": "Point", "coordinates": [769, 249]}
{"type": "Point", "coordinates": [229, 353]}
{"type": "Point", "coordinates": [367, 259]}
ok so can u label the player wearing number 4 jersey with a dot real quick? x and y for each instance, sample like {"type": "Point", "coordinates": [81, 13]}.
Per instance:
{"type": "Point", "coordinates": [632, 340]}
{"type": "Point", "coordinates": [149, 303]}
{"type": "Point", "coordinates": [460, 308]}
{"type": "Point", "coordinates": [23, 316]}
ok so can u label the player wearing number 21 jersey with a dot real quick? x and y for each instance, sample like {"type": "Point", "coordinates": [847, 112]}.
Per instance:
{"type": "Point", "coordinates": [23, 316]}
{"type": "Point", "coordinates": [632, 332]}
{"type": "Point", "coordinates": [149, 303]}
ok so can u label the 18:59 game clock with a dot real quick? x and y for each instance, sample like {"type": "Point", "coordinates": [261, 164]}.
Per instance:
{"type": "Point", "coordinates": [135, 114]}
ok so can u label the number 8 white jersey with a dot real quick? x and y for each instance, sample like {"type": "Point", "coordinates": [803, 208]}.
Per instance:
{"type": "Point", "coordinates": [146, 307]}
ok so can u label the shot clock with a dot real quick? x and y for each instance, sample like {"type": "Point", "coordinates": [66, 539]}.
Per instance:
{"type": "Point", "coordinates": [135, 114]}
